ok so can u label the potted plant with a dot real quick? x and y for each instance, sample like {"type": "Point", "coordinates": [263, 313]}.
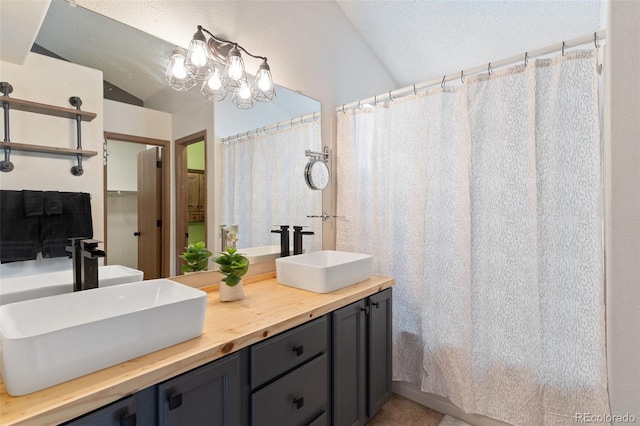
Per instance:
{"type": "Point", "coordinates": [197, 257]}
{"type": "Point", "coordinates": [233, 265]}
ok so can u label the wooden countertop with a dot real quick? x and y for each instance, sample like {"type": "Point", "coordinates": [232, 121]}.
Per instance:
{"type": "Point", "coordinates": [268, 309]}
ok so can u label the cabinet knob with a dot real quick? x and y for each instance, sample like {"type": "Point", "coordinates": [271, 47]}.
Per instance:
{"type": "Point", "coordinates": [299, 402]}
{"type": "Point", "coordinates": [175, 400]}
{"type": "Point", "coordinates": [128, 420]}
{"type": "Point", "coordinates": [299, 350]}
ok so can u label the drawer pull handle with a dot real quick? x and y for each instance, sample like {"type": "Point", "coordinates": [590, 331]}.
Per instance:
{"type": "Point", "coordinates": [376, 304]}
{"type": "Point", "coordinates": [128, 420]}
{"type": "Point", "coordinates": [299, 402]}
{"type": "Point", "coordinates": [175, 401]}
{"type": "Point", "coordinates": [299, 350]}
{"type": "Point", "coordinates": [365, 309]}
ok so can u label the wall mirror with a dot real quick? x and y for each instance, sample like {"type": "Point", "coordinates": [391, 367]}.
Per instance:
{"type": "Point", "coordinates": [249, 175]}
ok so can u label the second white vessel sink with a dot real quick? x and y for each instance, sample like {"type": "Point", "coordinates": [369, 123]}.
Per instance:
{"type": "Point", "coordinates": [323, 271]}
{"type": "Point", "coordinates": [53, 339]}
{"type": "Point", "coordinates": [26, 287]}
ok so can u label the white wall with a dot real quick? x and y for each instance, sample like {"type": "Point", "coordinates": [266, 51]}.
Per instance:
{"type": "Point", "coordinates": [51, 81]}
{"type": "Point", "coordinates": [192, 113]}
{"type": "Point", "coordinates": [622, 191]}
{"type": "Point", "coordinates": [133, 121]}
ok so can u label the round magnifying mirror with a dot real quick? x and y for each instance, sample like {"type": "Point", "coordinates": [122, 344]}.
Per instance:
{"type": "Point", "coordinates": [316, 174]}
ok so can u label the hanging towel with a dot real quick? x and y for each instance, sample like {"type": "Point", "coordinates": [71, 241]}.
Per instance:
{"type": "Point", "coordinates": [52, 203]}
{"type": "Point", "coordinates": [75, 221]}
{"type": "Point", "coordinates": [18, 232]}
{"type": "Point", "coordinates": [33, 203]}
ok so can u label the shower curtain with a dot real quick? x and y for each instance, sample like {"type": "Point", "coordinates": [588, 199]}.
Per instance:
{"type": "Point", "coordinates": [484, 201]}
{"type": "Point", "coordinates": [263, 185]}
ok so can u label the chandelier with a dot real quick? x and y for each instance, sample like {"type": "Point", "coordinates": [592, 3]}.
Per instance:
{"type": "Point", "coordinates": [217, 65]}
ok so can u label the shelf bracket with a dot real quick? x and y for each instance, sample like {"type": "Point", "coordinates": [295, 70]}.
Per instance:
{"type": "Point", "coordinates": [6, 165]}
{"type": "Point", "coordinates": [77, 102]}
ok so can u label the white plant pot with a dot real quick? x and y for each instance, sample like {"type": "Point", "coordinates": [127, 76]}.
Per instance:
{"type": "Point", "coordinates": [230, 294]}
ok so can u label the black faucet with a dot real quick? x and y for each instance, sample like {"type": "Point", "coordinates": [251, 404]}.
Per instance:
{"type": "Point", "coordinates": [284, 239]}
{"type": "Point", "coordinates": [74, 253]}
{"type": "Point", "coordinates": [297, 238]}
{"type": "Point", "coordinates": [89, 255]}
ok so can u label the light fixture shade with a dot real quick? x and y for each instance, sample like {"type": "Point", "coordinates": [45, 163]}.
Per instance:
{"type": "Point", "coordinates": [198, 62]}
{"type": "Point", "coordinates": [263, 87]}
{"type": "Point", "coordinates": [234, 77]}
{"type": "Point", "coordinates": [177, 75]}
{"type": "Point", "coordinates": [212, 87]}
{"type": "Point", "coordinates": [244, 98]}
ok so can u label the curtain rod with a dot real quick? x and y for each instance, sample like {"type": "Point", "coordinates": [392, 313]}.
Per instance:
{"type": "Point", "coordinates": [281, 125]}
{"type": "Point", "coordinates": [405, 91]}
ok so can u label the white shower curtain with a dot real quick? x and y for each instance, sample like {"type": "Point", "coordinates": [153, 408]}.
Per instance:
{"type": "Point", "coordinates": [484, 201]}
{"type": "Point", "coordinates": [263, 185]}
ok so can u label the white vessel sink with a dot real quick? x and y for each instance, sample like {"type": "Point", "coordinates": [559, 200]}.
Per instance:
{"type": "Point", "coordinates": [53, 339]}
{"type": "Point", "coordinates": [19, 288]}
{"type": "Point", "coordinates": [323, 271]}
{"type": "Point", "coordinates": [261, 254]}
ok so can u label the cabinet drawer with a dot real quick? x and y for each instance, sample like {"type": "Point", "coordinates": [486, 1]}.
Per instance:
{"type": "Point", "coordinates": [322, 420]}
{"type": "Point", "coordinates": [282, 353]}
{"type": "Point", "coordinates": [298, 398]}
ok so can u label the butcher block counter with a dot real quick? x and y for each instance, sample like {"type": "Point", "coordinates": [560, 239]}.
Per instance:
{"type": "Point", "coordinates": [268, 309]}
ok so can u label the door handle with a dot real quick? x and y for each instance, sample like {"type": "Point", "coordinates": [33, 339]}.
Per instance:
{"type": "Point", "coordinates": [136, 234]}
{"type": "Point", "coordinates": [128, 420]}
{"type": "Point", "coordinates": [175, 400]}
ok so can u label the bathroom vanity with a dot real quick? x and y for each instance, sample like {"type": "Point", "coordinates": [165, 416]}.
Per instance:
{"type": "Point", "coordinates": [281, 356]}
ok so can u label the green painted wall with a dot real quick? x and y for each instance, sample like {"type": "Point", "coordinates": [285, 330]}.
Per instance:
{"type": "Point", "coordinates": [195, 156]}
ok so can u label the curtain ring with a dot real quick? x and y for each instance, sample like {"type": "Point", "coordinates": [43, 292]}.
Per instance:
{"type": "Point", "coordinates": [526, 58]}
{"type": "Point", "coordinates": [390, 97]}
{"type": "Point", "coordinates": [563, 45]}
{"type": "Point", "coordinates": [359, 106]}
{"type": "Point", "coordinates": [462, 76]}
{"type": "Point", "coordinates": [302, 120]}
{"type": "Point", "coordinates": [264, 130]}
{"type": "Point", "coordinates": [489, 70]}
{"type": "Point", "coordinates": [291, 123]}
{"type": "Point", "coordinates": [414, 90]}
{"type": "Point", "coordinates": [442, 84]}
{"type": "Point", "coordinates": [314, 116]}
{"type": "Point", "coordinates": [375, 100]}
{"type": "Point", "coordinates": [277, 126]}
{"type": "Point", "coordinates": [343, 109]}
{"type": "Point", "coordinates": [595, 39]}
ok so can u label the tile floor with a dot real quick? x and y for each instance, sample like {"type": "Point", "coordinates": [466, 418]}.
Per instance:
{"type": "Point", "coordinates": [400, 411]}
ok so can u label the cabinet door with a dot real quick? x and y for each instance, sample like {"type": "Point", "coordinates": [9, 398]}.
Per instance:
{"type": "Point", "coordinates": [208, 395]}
{"type": "Point", "coordinates": [379, 351]}
{"type": "Point", "coordinates": [135, 410]}
{"type": "Point", "coordinates": [349, 365]}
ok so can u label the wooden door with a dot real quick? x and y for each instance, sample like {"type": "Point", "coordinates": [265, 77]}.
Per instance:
{"type": "Point", "coordinates": [150, 213]}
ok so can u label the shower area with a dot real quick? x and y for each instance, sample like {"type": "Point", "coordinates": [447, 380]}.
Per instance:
{"type": "Point", "coordinates": [482, 194]}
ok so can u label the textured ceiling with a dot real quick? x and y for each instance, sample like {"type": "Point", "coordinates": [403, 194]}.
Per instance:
{"type": "Point", "coordinates": [339, 51]}
{"type": "Point", "coordinates": [420, 40]}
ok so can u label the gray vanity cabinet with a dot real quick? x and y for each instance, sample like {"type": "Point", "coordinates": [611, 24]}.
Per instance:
{"type": "Point", "coordinates": [208, 395]}
{"type": "Point", "coordinates": [361, 359]}
{"type": "Point", "coordinates": [138, 409]}
{"type": "Point", "coordinates": [290, 377]}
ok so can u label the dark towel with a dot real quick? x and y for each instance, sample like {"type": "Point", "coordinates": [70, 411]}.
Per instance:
{"type": "Point", "coordinates": [75, 221]}
{"type": "Point", "coordinates": [33, 203]}
{"type": "Point", "coordinates": [52, 203]}
{"type": "Point", "coordinates": [18, 233]}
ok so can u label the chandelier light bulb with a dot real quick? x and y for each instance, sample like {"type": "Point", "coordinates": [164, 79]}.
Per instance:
{"type": "Point", "coordinates": [214, 82]}
{"type": "Point", "coordinates": [263, 87]}
{"type": "Point", "coordinates": [235, 67]}
{"type": "Point", "coordinates": [245, 92]}
{"type": "Point", "coordinates": [176, 74]}
{"type": "Point", "coordinates": [197, 60]}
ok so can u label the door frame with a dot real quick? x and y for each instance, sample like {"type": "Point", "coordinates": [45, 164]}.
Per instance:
{"type": "Point", "coordinates": [166, 185]}
{"type": "Point", "coordinates": [182, 226]}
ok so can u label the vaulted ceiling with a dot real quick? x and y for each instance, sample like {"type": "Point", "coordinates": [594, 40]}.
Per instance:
{"type": "Point", "coordinates": [339, 51]}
